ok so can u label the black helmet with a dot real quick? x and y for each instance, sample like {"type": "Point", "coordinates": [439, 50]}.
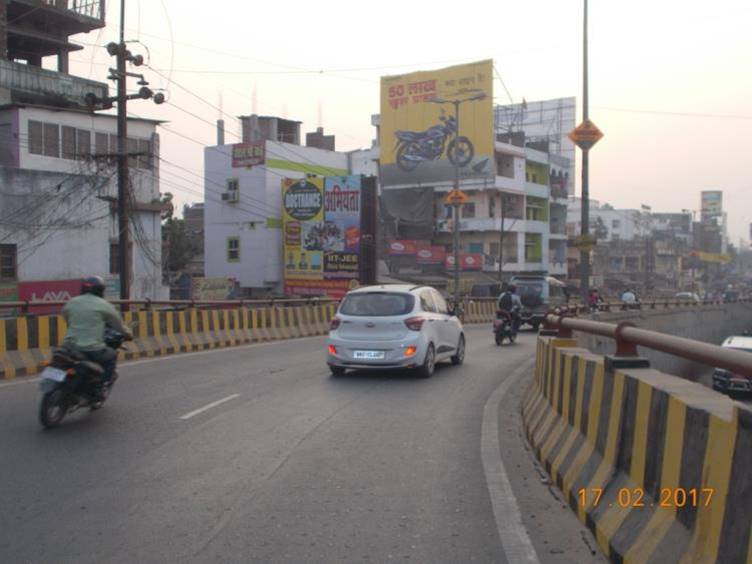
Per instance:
{"type": "Point", "coordinates": [93, 285]}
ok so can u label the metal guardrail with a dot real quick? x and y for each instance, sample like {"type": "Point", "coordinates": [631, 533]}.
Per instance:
{"type": "Point", "coordinates": [628, 337]}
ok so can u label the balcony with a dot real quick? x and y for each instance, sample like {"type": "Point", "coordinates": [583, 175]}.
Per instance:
{"type": "Point", "coordinates": [30, 84]}
{"type": "Point", "coordinates": [76, 9]}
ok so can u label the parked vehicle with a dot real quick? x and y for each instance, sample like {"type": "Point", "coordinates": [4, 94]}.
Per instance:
{"type": "Point", "coordinates": [394, 326]}
{"type": "Point", "coordinates": [504, 327]}
{"type": "Point", "coordinates": [728, 382]}
{"type": "Point", "coordinates": [70, 382]}
{"type": "Point", "coordinates": [687, 297]}
{"type": "Point", "coordinates": [415, 147]}
{"type": "Point", "coordinates": [539, 295]}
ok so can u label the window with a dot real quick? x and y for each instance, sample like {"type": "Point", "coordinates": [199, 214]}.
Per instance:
{"type": "Point", "coordinates": [533, 247]}
{"type": "Point", "coordinates": [101, 144]}
{"type": "Point", "coordinates": [233, 249]}
{"type": "Point", "coordinates": [8, 262]}
{"type": "Point", "coordinates": [491, 206]}
{"type": "Point", "coordinates": [69, 142]}
{"type": "Point", "coordinates": [448, 212]}
{"type": "Point", "coordinates": [83, 143]}
{"type": "Point", "coordinates": [468, 210]}
{"type": "Point", "coordinates": [426, 301]}
{"type": "Point", "coordinates": [36, 137]}
{"type": "Point", "coordinates": [493, 249]}
{"type": "Point", "coordinates": [441, 305]}
{"type": "Point", "coordinates": [233, 184]}
{"type": "Point", "coordinates": [615, 224]}
{"type": "Point", "coordinates": [537, 209]}
{"type": "Point", "coordinates": [144, 158]}
{"type": "Point", "coordinates": [114, 258]}
{"type": "Point", "coordinates": [377, 304]}
{"type": "Point", "coordinates": [51, 140]}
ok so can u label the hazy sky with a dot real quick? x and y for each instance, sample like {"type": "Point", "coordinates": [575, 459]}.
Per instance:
{"type": "Point", "coordinates": [687, 57]}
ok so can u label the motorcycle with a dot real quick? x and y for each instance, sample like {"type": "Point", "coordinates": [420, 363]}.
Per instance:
{"type": "Point", "coordinates": [70, 382]}
{"type": "Point", "coordinates": [504, 327]}
{"type": "Point", "coordinates": [414, 147]}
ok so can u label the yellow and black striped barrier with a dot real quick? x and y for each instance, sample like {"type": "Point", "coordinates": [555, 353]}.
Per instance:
{"type": "Point", "coordinates": [655, 466]}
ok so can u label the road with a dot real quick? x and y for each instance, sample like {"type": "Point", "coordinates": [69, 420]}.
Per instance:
{"type": "Point", "coordinates": [257, 454]}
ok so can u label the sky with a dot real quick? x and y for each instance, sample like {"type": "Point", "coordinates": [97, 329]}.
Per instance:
{"type": "Point", "coordinates": [670, 81]}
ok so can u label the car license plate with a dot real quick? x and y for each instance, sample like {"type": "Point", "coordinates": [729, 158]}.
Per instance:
{"type": "Point", "coordinates": [368, 355]}
{"type": "Point", "coordinates": [51, 373]}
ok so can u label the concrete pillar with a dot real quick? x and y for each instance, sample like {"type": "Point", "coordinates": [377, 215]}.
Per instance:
{"type": "Point", "coordinates": [62, 61]}
{"type": "Point", "coordinates": [3, 29]}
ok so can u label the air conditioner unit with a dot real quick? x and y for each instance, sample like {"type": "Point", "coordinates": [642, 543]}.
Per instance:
{"type": "Point", "coordinates": [231, 197]}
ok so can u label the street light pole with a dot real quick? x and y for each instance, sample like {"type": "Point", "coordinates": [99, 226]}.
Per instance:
{"type": "Point", "coordinates": [456, 226]}
{"type": "Point", "coordinates": [585, 208]}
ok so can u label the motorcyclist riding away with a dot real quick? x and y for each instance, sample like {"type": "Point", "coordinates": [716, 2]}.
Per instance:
{"type": "Point", "coordinates": [87, 316]}
{"type": "Point", "coordinates": [510, 303]}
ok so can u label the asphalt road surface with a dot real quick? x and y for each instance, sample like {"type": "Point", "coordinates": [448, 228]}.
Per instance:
{"type": "Point", "coordinates": [257, 454]}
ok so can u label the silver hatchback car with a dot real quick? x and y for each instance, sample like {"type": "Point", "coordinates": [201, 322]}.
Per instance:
{"type": "Point", "coordinates": [394, 326]}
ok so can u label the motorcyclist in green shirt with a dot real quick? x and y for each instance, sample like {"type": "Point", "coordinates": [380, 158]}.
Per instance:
{"type": "Point", "coordinates": [87, 316]}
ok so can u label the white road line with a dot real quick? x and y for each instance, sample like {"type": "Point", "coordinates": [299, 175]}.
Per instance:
{"type": "Point", "coordinates": [208, 407]}
{"type": "Point", "coordinates": [514, 538]}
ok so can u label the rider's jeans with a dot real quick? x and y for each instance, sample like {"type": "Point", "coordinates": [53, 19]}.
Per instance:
{"type": "Point", "coordinates": [106, 357]}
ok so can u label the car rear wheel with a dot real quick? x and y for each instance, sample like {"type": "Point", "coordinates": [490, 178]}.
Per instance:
{"type": "Point", "coordinates": [459, 357]}
{"type": "Point", "coordinates": [336, 370]}
{"type": "Point", "coordinates": [429, 364]}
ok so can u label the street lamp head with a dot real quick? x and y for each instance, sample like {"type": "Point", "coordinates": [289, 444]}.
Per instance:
{"type": "Point", "coordinates": [439, 101]}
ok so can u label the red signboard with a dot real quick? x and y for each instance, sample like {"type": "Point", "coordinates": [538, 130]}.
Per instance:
{"type": "Point", "coordinates": [432, 255]}
{"type": "Point", "coordinates": [403, 248]}
{"type": "Point", "coordinates": [335, 289]}
{"type": "Point", "coordinates": [248, 154]}
{"type": "Point", "coordinates": [468, 261]}
{"type": "Point", "coordinates": [48, 291]}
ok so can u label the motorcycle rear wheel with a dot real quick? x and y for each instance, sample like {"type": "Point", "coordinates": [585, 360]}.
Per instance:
{"type": "Point", "coordinates": [499, 339]}
{"type": "Point", "coordinates": [52, 409]}
{"type": "Point", "coordinates": [407, 165]}
{"type": "Point", "coordinates": [460, 151]}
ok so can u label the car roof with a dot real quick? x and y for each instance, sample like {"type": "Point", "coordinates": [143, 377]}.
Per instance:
{"type": "Point", "coordinates": [738, 342]}
{"type": "Point", "coordinates": [406, 288]}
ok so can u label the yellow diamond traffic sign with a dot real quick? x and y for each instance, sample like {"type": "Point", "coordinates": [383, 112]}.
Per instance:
{"type": "Point", "coordinates": [586, 135]}
{"type": "Point", "coordinates": [456, 197]}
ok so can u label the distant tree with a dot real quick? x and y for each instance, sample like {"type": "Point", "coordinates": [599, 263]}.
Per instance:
{"type": "Point", "coordinates": [599, 229]}
{"type": "Point", "coordinates": [607, 207]}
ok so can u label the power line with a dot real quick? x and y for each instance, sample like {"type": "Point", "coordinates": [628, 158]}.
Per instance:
{"type": "Point", "coordinates": [678, 114]}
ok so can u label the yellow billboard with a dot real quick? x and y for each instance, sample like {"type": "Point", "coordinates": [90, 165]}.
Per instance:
{"type": "Point", "coordinates": [435, 124]}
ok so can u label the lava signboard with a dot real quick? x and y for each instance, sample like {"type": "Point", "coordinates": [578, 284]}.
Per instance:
{"type": "Point", "coordinates": [248, 154]}
{"type": "Point", "coordinates": [48, 291]}
{"type": "Point", "coordinates": [586, 135]}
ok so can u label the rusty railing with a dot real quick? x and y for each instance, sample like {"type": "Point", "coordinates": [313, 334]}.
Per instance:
{"type": "Point", "coordinates": [628, 337]}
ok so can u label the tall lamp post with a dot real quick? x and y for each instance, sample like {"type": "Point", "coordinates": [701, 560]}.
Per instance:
{"type": "Point", "coordinates": [455, 152]}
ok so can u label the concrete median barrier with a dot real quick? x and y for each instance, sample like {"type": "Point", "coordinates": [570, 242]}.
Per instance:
{"type": "Point", "coordinates": [658, 468]}
{"type": "Point", "coordinates": [27, 341]}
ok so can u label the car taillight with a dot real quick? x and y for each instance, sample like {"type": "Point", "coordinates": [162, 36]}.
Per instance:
{"type": "Point", "coordinates": [334, 324]}
{"type": "Point", "coordinates": [410, 351]}
{"type": "Point", "coordinates": [415, 323]}
{"type": "Point", "coordinates": [332, 350]}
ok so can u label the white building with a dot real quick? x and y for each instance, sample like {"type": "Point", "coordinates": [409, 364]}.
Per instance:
{"type": "Point", "coordinates": [59, 189]}
{"type": "Point", "coordinates": [243, 207]}
{"type": "Point", "coordinates": [613, 224]}
{"type": "Point", "coordinates": [57, 171]}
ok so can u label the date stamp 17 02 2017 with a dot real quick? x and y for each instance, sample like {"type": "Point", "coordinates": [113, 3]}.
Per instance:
{"type": "Point", "coordinates": [635, 497]}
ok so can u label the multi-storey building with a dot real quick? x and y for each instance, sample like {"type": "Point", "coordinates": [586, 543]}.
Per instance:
{"type": "Point", "coordinates": [58, 189]}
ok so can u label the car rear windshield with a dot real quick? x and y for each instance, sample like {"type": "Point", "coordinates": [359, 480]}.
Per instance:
{"type": "Point", "coordinates": [377, 304]}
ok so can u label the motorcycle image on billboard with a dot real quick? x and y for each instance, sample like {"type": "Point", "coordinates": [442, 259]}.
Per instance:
{"type": "Point", "coordinates": [434, 122]}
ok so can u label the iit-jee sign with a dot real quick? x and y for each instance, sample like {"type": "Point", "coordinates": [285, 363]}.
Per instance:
{"type": "Point", "coordinates": [586, 135]}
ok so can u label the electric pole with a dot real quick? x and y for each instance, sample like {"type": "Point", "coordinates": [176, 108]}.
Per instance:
{"type": "Point", "coordinates": [122, 164]}
{"type": "Point", "coordinates": [585, 208]}
{"type": "Point", "coordinates": [503, 202]}
{"type": "Point", "coordinates": [120, 75]}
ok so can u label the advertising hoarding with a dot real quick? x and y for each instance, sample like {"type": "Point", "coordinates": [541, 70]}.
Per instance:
{"type": "Point", "coordinates": [711, 205]}
{"type": "Point", "coordinates": [248, 154]}
{"type": "Point", "coordinates": [321, 235]}
{"type": "Point", "coordinates": [432, 255]}
{"type": "Point", "coordinates": [48, 291]}
{"type": "Point", "coordinates": [434, 121]}
{"type": "Point", "coordinates": [212, 288]}
{"type": "Point", "coordinates": [468, 261]}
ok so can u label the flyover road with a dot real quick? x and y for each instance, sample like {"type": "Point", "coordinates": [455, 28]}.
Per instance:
{"type": "Point", "coordinates": [256, 454]}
